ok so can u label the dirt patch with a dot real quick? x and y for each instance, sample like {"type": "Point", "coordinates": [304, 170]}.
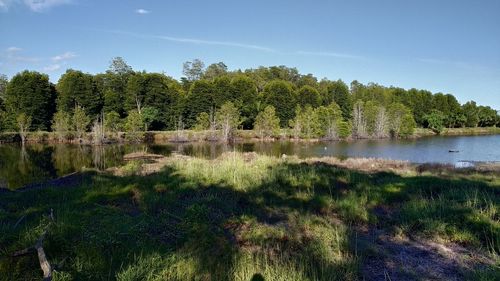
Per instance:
{"type": "Point", "coordinates": [365, 164]}
{"type": "Point", "coordinates": [395, 258]}
{"type": "Point", "coordinates": [141, 156]}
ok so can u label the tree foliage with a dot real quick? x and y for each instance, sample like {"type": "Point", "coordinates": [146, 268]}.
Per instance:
{"type": "Point", "coordinates": [267, 124]}
{"type": "Point", "coordinates": [366, 110]}
{"type": "Point", "coordinates": [227, 119]}
{"type": "Point", "coordinates": [280, 95]}
{"type": "Point", "coordinates": [77, 88]}
{"type": "Point", "coordinates": [193, 70]}
{"type": "Point", "coordinates": [23, 122]}
{"type": "Point", "coordinates": [80, 121]}
{"type": "Point", "coordinates": [31, 93]}
{"type": "Point", "coordinates": [134, 126]}
{"type": "Point", "coordinates": [308, 95]}
{"type": "Point", "coordinates": [436, 121]}
{"type": "Point", "coordinates": [61, 124]}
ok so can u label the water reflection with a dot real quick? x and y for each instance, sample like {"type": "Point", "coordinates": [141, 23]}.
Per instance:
{"type": "Point", "coordinates": [33, 163]}
{"type": "Point", "coordinates": [22, 165]}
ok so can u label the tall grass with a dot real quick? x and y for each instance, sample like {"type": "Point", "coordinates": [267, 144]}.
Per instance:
{"type": "Point", "coordinates": [240, 216]}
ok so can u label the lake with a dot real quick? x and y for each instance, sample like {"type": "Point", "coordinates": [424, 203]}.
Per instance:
{"type": "Point", "coordinates": [40, 162]}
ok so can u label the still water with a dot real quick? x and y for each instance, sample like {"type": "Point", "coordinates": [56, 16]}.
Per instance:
{"type": "Point", "coordinates": [39, 162]}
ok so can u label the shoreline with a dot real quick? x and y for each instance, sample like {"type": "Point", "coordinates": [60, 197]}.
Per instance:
{"type": "Point", "coordinates": [145, 164]}
{"type": "Point", "coordinates": [191, 136]}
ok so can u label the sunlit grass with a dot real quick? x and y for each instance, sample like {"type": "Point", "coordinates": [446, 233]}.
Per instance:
{"type": "Point", "coordinates": [239, 216]}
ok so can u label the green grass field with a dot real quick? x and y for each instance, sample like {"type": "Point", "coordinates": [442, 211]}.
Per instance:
{"type": "Point", "coordinates": [250, 217]}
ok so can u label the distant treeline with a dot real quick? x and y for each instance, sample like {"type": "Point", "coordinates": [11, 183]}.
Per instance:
{"type": "Point", "coordinates": [267, 98]}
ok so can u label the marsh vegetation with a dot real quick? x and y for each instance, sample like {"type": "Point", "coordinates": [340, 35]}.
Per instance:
{"type": "Point", "coordinates": [239, 215]}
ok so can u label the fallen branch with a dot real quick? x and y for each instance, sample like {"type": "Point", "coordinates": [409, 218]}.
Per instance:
{"type": "Point", "coordinates": [38, 247]}
{"type": "Point", "coordinates": [19, 221]}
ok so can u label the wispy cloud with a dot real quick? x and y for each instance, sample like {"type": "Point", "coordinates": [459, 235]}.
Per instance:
{"type": "Point", "coordinates": [199, 41]}
{"type": "Point", "coordinates": [142, 11]}
{"type": "Point", "coordinates": [455, 64]}
{"type": "Point", "coordinates": [12, 55]}
{"type": "Point", "coordinates": [65, 56]}
{"type": "Point", "coordinates": [13, 49]}
{"type": "Point", "coordinates": [34, 5]}
{"type": "Point", "coordinates": [52, 67]}
{"type": "Point", "coordinates": [5, 4]}
{"type": "Point", "coordinates": [44, 5]}
{"type": "Point", "coordinates": [194, 41]}
{"type": "Point", "coordinates": [329, 54]}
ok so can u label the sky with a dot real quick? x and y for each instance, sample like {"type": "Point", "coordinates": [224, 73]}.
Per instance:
{"type": "Point", "coordinates": [449, 46]}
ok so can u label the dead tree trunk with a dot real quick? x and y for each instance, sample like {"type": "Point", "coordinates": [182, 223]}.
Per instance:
{"type": "Point", "coordinates": [38, 247]}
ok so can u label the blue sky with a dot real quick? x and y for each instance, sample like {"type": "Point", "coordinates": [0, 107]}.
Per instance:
{"type": "Point", "coordinates": [440, 45]}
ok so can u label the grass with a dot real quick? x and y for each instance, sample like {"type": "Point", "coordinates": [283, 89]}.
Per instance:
{"type": "Point", "coordinates": [244, 216]}
{"type": "Point", "coordinates": [199, 136]}
{"type": "Point", "coordinates": [470, 131]}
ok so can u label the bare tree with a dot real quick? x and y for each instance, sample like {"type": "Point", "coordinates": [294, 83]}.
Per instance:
{"type": "Point", "coordinates": [380, 130]}
{"type": "Point", "coordinates": [61, 125]}
{"type": "Point", "coordinates": [98, 131]}
{"type": "Point", "coordinates": [80, 122]}
{"type": "Point", "coordinates": [227, 119]}
{"type": "Point", "coordinates": [193, 70]}
{"type": "Point", "coordinates": [359, 121]}
{"type": "Point", "coordinates": [331, 130]}
{"type": "Point", "coordinates": [179, 130]}
{"type": "Point", "coordinates": [23, 125]}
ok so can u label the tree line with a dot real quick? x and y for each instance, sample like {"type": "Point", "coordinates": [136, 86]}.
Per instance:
{"type": "Point", "coordinates": [213, 98]}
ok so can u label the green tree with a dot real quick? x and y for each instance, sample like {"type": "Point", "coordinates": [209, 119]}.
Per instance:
{"type": "Point", "coordinates": [135, 92]}
{"type": "Point", "coordinates": [227, 119]}
{"type": "Point", "coordinates": [203, 121]}
{"type": "Point", "coordinates": [113, 85]}
{"type": "Point", "coordinates": [408, 125]}
{"type": "Point", "coordinates": [281, 96]}
{"type": "Point", "coordinates": [371, 109]}
{"type": "Point", "coordinates": [149, 115]}
{"type": "Point", "coordinates": [215, 70]}
{"type": "Point", "coordinates": [222, 91]}
{"type": "Point", "coordinates": [341, 96]}
{"type": "Point", "coordinates": [200, 99]}
{"type": "Point", "coordinates": [328, 121]}
{"type": "Point", "coordinates": [31, 93]}
{"type": "Point", "coordinates": [455, 115]}
{"type": "Point", "coordinates": [435, 121]}
{"type": "Point", "coordinates": [164, 94]}
{"type": "Point", "coordinates": [487, 116]}
{"type": "Point", "coordinates": [344, 129]}
{"type": "Point", "coordinates": [134, 126]}
{"type": "Point", "coordinates": [401, 121]}
{"type": "Point", "coordinates": [81, 121]}
{"type": "Point", "coordinates": [3, 88]}
{"type": "Point", "coordinates": [307, 95]}
{"type": "Point", "coordinates": [23, 122]}
{"type": "Point", "coordinates": [421, 104]}
{"type": "Point", "coordinates": [244, 94]}
{"type": "Point", "coordinates": [305, 124]}
{"type": "Point", "coordinates": [61, 125]}
{"type": "Point", "coordinates": [112, 122]}
{"type": "Point", "coordinates": [193, 70]}
{"type": "Point", "coordinates": [471, 113]}
{"type": "Point", "coordinates": [267, 124]}
{"type": "Point", "coordinates": [77, 88]}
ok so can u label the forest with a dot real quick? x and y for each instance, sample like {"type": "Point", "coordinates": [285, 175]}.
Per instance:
{"type": "Point", "coordinates": [264, 99]}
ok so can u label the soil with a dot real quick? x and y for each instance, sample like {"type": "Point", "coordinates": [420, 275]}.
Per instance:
{"type": "Point", "coordinates": [391, 257]}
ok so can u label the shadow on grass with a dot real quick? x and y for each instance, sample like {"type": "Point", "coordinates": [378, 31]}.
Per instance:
{"type": "Point", "coordinates": [300, 224]}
